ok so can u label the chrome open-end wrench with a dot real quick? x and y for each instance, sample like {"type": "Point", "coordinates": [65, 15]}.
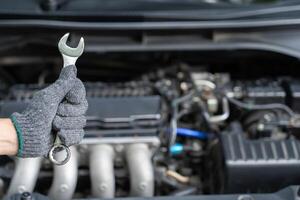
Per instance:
{"type": "Point", "coordinates": [70, 56]}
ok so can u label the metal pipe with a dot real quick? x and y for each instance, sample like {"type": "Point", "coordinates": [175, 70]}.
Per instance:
{"type": "Point", "coordinates": [222, 117]}
{"type": "Point", "coordinates": [102, 171]}
{"type": "Point", "coordinates": [141, 172]}
{"type": "Point", "coordinates": [65, 178]}
{"type": "Point", "coordinates": [25, 176]}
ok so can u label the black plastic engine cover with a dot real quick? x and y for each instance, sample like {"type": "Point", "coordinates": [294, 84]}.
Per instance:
{"type": "Point", "coordinates": [263, 165]}
{"type": "Point", "coordinates": [111, 116]}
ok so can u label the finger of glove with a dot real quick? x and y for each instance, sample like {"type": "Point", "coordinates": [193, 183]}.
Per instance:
{"type": "Point", "coordinates": [77, 94]}
{"type": "Point", "coordinates": [66, 109]}
{"type": "Point", "coordinates": [69, 122]}
{"type": "Point", "coordinates": [71, 137]}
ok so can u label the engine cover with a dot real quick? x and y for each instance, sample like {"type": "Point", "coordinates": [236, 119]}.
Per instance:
{"type": "Point", "coordinates": [114, 115]}
{"type": "Point", "coordinates": [265, 164]}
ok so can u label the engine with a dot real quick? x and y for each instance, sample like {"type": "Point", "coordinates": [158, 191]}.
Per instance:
{"type": "Point", "coordinates": [174, 131]}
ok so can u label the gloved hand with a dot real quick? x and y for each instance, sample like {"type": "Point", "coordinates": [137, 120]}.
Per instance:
{"type": "Point", "coordinates": [60, 107]}
{"type": "Point", "coordinates": [70, 117]}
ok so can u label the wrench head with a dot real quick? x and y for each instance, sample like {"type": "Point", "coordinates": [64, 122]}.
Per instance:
{"type": "Point", "coordinates": [70, 51]}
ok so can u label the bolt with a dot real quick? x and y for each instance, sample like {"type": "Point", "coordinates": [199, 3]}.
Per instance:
{"type": "Point", "coordinates": [142, 186]}
{"type": "Point", "coordinates": [21, 189]}
{"type": "Point", "coordinates": [168, 82]}
{"type": "Point", "coordinates": [184, 86]}
{"type": "Point", "coordinates": [26, 196]}
{"type": "Point", "coordinates": [295, 121]}
{"type": "Point", "coordinates": [268, 117]}
{"type": "Point", "coordinates": [63, 188]}
{"type": "Point", "coordinates": [260, 127]}
{"type": "Point", "coordinates": [102, 187]}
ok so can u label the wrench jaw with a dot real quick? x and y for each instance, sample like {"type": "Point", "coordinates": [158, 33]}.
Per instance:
{"type": "Point", "coordinates": [69, 54]}
{"type": "Point", "coordinates": [69, 51]}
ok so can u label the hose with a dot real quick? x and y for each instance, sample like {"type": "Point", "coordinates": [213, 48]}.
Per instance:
{"type": "Point", "coordinates": [178, 177]}
{"type": "Point", "coordinates": [262, 107]}
{"type": "Point", "coordinates": [175, 104]}
{"type": "Point", "coordinates": [191, 133]}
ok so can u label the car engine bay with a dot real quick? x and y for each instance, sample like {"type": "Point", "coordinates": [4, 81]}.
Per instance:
{"type": "Point", "coordinates": [163, 123]}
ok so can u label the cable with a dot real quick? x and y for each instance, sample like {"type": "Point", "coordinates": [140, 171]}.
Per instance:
{"type": "Point", "coordinates": [262, 107]}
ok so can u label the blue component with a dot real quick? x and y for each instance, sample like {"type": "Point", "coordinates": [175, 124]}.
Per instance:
{"type": "Point", "coordinates": [191, 133]}
{"type": "Point", "coordinates": [176, 149]}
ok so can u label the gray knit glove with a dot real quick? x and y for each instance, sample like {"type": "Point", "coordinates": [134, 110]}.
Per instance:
{"type": "Point", "coordinates": [34, 126]}
{"type": "Point", "coordinates": [70, 118]}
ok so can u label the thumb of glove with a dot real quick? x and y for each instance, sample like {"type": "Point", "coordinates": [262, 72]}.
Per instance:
{"type": "Point", "coordinates": [59, 89]}
{"type": "Point", "coordinates": [68, 72]}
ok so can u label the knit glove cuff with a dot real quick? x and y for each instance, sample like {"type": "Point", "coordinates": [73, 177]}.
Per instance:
{"type": "Point", "coordinates": [32, 142]}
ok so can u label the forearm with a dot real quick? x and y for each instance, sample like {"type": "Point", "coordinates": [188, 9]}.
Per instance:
{"type": "Point", "coordinates": [8, 137]}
